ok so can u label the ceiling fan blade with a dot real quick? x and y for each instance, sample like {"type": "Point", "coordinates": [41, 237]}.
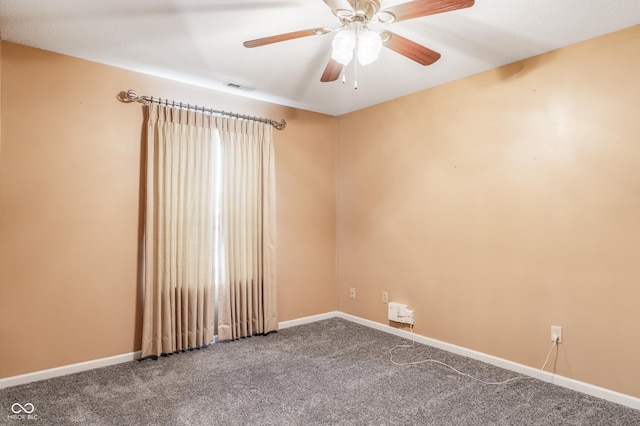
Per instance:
{"type": "Point", "coordinates": [419, 8]}
{"type": "Point", "coordinates": [332, 71]}
{"type": "Point", "coordinates": [284, 37]}
{"type": "Point", "coordinates": [410, 49]}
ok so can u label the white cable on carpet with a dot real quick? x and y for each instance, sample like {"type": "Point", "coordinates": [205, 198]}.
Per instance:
{"type": "Point", "coordinates": [555, 342]}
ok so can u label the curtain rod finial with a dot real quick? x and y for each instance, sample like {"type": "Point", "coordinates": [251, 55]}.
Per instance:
{"type": "Point", "coordinates": [280, 125]}
{"type": "Point", "coordinates": [132, 95]}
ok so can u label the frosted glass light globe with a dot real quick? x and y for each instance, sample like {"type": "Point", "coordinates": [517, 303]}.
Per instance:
{"type": "Point", "coordinates": [369, 46]}
{"type": "Point", "coordinates": [343, 44]}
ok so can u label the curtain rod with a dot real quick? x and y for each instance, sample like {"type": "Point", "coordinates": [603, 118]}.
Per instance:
{"type": "Point", "coordinates": [132, 96]}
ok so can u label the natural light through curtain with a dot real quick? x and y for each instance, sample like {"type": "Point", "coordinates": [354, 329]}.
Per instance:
{"type": "Point", "coordinates": [247, 285]}
{"type": "Point", "coordinates": [179, 290]}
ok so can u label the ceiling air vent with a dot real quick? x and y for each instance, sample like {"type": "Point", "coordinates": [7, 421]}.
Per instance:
{"type": "Point", "coordinates": [239, 87]}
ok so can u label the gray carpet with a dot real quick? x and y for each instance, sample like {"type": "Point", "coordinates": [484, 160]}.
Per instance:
{"type": "Point", "coordinates": [332, 372]}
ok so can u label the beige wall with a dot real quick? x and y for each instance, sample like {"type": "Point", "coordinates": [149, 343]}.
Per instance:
{"type": "Point", "coordinates": [0, 98]}
{"type": "Point", "coordinates": [503, 203]}
{"type": "Point", "coordinates": [70, 207]}
{"type": "Point", "coordinates": [495, 206]}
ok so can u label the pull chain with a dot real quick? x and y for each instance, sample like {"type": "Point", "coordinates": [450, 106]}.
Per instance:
{"type": "Point", "coordinates": [355, 59]}
{"type": "Point", "coordinates": [355, 75]}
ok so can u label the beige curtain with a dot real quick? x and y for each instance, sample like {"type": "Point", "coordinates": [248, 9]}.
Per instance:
{"type": "Point", "coordinates": [247, 299]}
{"type": "Point", "coordinates": [179, 290]}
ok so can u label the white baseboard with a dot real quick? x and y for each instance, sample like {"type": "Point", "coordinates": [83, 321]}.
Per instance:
{"type": "Point", "coordinates": [565, 382]}
{"type": "Point", "coordinates": [306, 320]}
{"type": "Point", "coordinates": [104, 362]}
{"type": "Point", "coordinates": [586, 388]}
{"type": "Point", "coordinates": [68, 369]}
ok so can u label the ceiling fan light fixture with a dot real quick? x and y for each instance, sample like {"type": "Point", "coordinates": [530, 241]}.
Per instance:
{"type": "Point", "coordinates": [343, 45]}
{"type": "Point", "coordinates": [369, 46]}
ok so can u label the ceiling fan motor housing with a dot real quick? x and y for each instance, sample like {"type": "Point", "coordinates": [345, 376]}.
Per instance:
{"type": "Point", "coordinates": [363, 10]}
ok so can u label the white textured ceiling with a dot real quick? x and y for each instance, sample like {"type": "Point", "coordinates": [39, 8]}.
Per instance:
{"type": "Point", "coordinates": [200, 42]}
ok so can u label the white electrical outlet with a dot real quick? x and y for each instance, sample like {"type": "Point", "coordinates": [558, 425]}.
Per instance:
{"type": "Point", "coordinates": [385, 297]}
{"type": "Point", "coordinates": [352, 292]}
{"type": "Point", "coordinates": [556, 333]}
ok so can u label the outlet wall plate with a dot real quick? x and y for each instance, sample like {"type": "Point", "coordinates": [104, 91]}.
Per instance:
{"type": "Point", "coordinates": [556, 331]}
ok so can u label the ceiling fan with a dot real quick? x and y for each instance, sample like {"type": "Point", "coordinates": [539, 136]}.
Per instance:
{"type": "Point", "coordinates": [354, 38]}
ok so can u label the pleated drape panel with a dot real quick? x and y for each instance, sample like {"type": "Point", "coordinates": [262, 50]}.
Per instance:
{"type": "Point", "coordinates": [179, 291]}
{"type": "Point", "coordinates": [247, 287]}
